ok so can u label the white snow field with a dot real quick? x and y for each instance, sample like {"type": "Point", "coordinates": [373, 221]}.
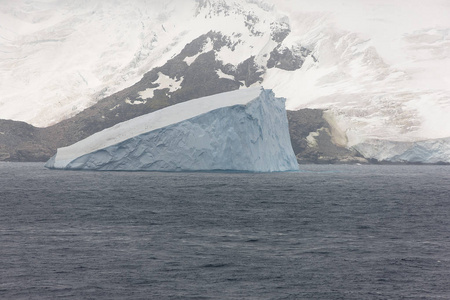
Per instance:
{"type": "Point", "coordinates": [244, 130]}
{"type": "Point", "coordinates": [381, 68]}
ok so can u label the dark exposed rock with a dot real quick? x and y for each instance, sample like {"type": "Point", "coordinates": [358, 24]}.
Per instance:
{"type": "Point", "coordinates": [20, 141]}
{"type": "Point", "coordinates": [248, 72]}
{"type": "Point", "coordinates": [312, 139]}
{"type": "Point", "coordinates": [196, 46]}
{"type": "Point", "coordinates": [279, 31]}
{"type": "Point", "coordinates": [284, 58]}
{"type": "Point", "coordinates": [301, 124]}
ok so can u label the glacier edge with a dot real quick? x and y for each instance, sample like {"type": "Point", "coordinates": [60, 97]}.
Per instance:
{"type": "Point", "coordinates": [435, 151]}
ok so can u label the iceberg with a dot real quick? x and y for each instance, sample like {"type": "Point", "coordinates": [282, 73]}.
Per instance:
{"type": "Point", "coordinates": [244, 130]}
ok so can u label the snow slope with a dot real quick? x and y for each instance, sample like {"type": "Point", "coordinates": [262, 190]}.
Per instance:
{"type": "Point", "coordinates": [380, 67]}
{"type": "Point", "coordinates": [244, 130]}
{"type": "Point", "coordinates": [383, 66]}
{"type": "Point", "coordinates": [59, 57]}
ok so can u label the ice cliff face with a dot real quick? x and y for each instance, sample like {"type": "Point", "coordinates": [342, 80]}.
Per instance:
{"type": "Point", "coordinates": [245, 130]}
{"type": "Point", "coordinates": [427, 152]}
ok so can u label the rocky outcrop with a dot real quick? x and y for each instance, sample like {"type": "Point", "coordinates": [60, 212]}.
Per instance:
{"type": "Point", "coordinates": [287, 59]}
{"type": "Point", "coordinates": [313, 141]}
{"type": "Point", "coordinates": [20, 141]}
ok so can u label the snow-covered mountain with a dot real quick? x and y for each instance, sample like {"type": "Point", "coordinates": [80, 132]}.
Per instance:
{"type": "Point", "coordinates": [378, 68]}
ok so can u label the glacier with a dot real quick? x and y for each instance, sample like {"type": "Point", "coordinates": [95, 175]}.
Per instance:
{"type": "Point", "coordinates": [436, 151]}
{"type": "Point", "coordinates": [243, 130]}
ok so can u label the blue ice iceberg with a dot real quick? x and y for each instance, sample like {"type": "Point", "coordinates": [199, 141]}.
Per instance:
{"type": "Point", "coordinates": [243, 130]}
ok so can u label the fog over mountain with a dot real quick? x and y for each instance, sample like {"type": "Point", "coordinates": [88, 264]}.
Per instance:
{"type": "Point", "coordinates": [378, 69]}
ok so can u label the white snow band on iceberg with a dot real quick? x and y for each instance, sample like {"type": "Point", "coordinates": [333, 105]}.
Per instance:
{"type": "Point", "coordinates": [244, 130]}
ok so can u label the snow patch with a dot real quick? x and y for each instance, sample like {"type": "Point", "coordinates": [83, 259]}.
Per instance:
{"type": "Point", "coordinates": [115, 107]}
{"type": "Point", "coordinates": [146, 94]}
{"type": "Point", "coordinates": [223, 75]}
{"type": "Point", "coordinates": [136, 102]}
{"type": "Point", "coordinates": [311, 139]}
{"type": "Point", "coordinates": [209, 46]}
{"type": "Point", "coordinates": [190, 59]}
{"type": "Point", "coordinates": [164, 82]}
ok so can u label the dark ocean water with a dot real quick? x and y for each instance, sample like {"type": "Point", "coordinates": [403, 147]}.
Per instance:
{"type": "Point", "coordinates": [327, 232]}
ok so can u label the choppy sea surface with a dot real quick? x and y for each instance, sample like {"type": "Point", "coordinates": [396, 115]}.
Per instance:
{"type": "Point", "coordinates": [326, 232]}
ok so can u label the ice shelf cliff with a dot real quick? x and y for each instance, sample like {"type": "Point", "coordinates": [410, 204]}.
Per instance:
{"type": "Point", "coordinates": [243, 130]}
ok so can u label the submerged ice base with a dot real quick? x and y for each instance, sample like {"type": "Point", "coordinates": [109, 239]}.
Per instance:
{"type": "Point", "coordinates": [244, 130]}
